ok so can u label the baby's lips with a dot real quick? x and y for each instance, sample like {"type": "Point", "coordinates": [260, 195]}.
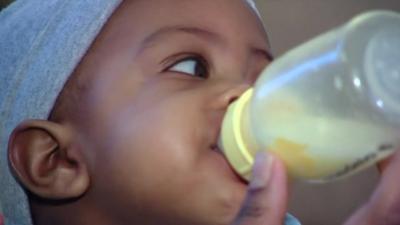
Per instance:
{"type": "Point", "coordinates": [215, 133]}
{"type": "Point", "coordinates": [217, 149]}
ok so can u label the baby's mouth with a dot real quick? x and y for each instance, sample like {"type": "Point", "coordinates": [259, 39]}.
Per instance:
{"type": "Point", "coordinates": [215, 133]}
{"type": "Point", "coordinates": [215, 148]}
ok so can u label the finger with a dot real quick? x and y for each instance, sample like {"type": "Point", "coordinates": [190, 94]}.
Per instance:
{"type": "Point", "coordinates": [266, 200]}
{"type": "Point", "coordinates": [384, 205]}
{"type": "Point", "coordinates": [1, 219]}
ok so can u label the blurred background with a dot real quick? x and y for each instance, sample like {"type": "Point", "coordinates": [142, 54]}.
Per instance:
{"type": "Point", "coordinates": [290, 23]}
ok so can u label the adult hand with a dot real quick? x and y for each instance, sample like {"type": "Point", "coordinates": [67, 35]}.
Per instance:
{"type": "Point", "coordinates": [1, 219]}
{"type": "Point", "coordinates": [383, 208]}
{"type": "Point", "coordinates": [267, 194]}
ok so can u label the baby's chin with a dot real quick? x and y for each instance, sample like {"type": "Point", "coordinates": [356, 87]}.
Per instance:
{"type": "Point", "coordinates": [231, 189]}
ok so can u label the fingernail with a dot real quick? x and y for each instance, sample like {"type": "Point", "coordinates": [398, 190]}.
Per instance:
{"type": "Point", "coordinates": [261, 173]}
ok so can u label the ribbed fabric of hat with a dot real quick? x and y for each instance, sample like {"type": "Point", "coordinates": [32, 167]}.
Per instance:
{"type": "Point", "coordinates": [41, 43]}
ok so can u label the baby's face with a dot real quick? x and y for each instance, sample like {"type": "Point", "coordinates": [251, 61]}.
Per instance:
{"type": "Point", "coordinates": [162, 76]}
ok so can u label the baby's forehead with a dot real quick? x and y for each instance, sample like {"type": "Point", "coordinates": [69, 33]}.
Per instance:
{"type": "Point", "coordinates": [143, 16]}
{"type": "Point", "coordinates": [139, 24]}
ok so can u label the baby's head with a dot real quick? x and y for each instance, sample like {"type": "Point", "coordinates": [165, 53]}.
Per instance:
{"type": "Point", "coordinates": [132, 137]}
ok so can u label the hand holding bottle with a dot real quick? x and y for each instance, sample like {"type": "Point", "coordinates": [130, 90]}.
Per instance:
{"type": "Point", "coordinates": [267, 197]}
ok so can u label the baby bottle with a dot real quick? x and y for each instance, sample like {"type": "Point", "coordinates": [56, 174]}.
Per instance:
{"type": "Point", "coordinates": [327, 108]}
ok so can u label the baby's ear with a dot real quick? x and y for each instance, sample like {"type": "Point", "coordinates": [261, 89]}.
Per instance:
{"type": "Point", "coordinates": [46, 161]}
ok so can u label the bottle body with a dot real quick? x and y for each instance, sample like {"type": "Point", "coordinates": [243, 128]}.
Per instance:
{"type": "Point", "coordinates": [330, 107]}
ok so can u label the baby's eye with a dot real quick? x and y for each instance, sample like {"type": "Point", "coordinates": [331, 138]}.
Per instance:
{"type": "Point", "coordinates": [193, 66]}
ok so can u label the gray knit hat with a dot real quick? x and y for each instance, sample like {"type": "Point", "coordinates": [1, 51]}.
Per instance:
{"type": "Point", "coordinates": [41, 43]}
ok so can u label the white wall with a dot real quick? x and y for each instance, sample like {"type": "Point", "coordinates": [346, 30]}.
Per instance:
{"type": "Point", "coordinates": [290, 22]}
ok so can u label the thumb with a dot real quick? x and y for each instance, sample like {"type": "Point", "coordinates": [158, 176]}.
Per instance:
{"type": "Point", "coordinates": [267, 194]}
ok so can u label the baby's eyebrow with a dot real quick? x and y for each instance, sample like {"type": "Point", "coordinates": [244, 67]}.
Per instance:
{"type": "Point", "coordinates": [196, 31]}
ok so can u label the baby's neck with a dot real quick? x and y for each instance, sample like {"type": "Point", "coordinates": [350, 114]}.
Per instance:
{"type": "Point", "coordinates": [67, 214]}
{"type": "Point", "coordinates": [77, 213]}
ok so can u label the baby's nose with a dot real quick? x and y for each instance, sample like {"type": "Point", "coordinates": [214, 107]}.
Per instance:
{"type": "Point", "coordinates": [231, 93]}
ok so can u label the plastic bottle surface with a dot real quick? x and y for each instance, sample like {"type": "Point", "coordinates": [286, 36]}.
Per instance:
{"type": "Point", "coordinates": [328, 108]}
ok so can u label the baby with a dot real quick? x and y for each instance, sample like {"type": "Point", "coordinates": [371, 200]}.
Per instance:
{"type": "Point", "coordinates": [112, 110]}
